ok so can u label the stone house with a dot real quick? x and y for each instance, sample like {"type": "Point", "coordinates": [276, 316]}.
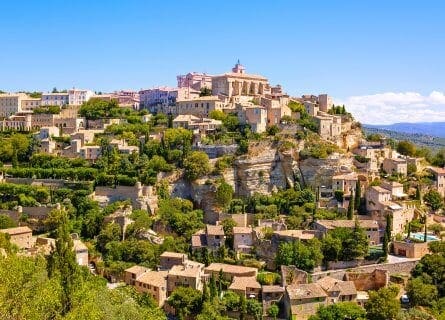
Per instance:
{"type": "Point", "coordinates": [20, 236]}
{"type": "Point", "coordinates": [247, 286]}
{"type": "Point", "coordinates": [338, 290]}
{"type": "Point", "coordinates": [414, 250]}
{"type": "Point", "coordinates": [379, 204]}
{"type": "Point", "coordinates": [169, 259]}
{"type": "Point", "coordinates": [345, 183]}
{"type": "Point", "coordinates": [212, 238]}
{"type": "Point", "coordinates": [190, 274]}
{"type": "Point", "coordinates": [230, 271]}
{"type": "Point", "coordinates": [154, 283]}
{"type": "Point", "coordinates": [371, 228]}
{"type": "Point", "coordinates": [395, 166]}
{"type": "Point", "coordinates": [243, 239]}
{"type": "Point", "coordinates": [438, 179]}
{"type": "Point", "coordinates": [271, 295]}
{"type": "Point", "coordinates": [303, 300]}
{"type": "Point", "coordinates": [292, 235]}
{"type": "Point", "coordinates": [144, 280]}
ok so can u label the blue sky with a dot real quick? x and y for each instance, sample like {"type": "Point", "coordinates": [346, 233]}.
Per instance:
{"type": "Point", "coordinates": [346, 48]}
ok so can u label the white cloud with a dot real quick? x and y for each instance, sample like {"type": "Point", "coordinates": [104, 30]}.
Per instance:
{"type": "Point", "coordinates": [392, 107]}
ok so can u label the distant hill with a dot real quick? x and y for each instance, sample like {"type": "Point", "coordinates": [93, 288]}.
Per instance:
{"type": "Point", "coordinates": [436, 129]}
{"type": "Point", "coordinates": [422, 140]}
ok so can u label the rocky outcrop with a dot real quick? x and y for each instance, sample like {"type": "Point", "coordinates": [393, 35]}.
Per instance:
{"type": "Point", "coordinates": [318, 172]}
{"type": "Point", "coordinates": [260, 171]}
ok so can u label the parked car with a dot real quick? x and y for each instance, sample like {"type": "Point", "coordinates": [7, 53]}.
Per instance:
{"type": "Point", "coordinates": [404, 298]}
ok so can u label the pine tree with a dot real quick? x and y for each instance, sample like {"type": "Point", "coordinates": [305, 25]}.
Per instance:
{"type": "Point", "coordinates": [62, 263]}
{"type": "Point", "coordinates": [351, 207]}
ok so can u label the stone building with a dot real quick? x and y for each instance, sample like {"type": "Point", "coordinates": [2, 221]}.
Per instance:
{"type": "Point", "coordinates": [11, 103]}
{"type": "Point", "coordinates": [243, 239]}
{"type": "Point", "coordinates": [413, 250]}
{"type": "Point", "coordinates": [20, 236]}
{"type": "Point", "coordinates": [169, 259]}
{"type": "Point", "coordinates": [371, 228]}
{"type": "Point", "coordinates": [303, 300]}
{"type": "Point", "coordinates": [438, 179]}
{"type": "Point", "coordinates": [230, 271]}
{"type": "Point", "coordinates": [338, 290]}
{"type": "Point", "coordinates": [212, 238]}
{"type": "Point", "coordinates": [55, 99]}
{"type": "Point", "coordinates": [247, 286]}
{"type": "Point", "coordinates": [195, 80]}
{"type": "Point", "coordinates": [190, 274]}
{"type": "Point", "coordinates": [395, 166]}
{"type": "Point", "coordinates": [198, 106]}
{"type": "Point", "coordinates": [239, 83]}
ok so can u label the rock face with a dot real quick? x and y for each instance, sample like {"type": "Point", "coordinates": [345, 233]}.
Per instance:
{"type": "Point", "coordinates": [260, 171]}
{"type": "Point", "coordinates": [317, 172]}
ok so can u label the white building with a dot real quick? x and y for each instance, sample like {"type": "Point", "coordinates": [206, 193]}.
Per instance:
{"type": "Point", "coordinates": [55, 99]}
{"type": "Point", "coordinates": [77, 97]}
{"type": "Point", "coordinates": [159, 99]}
{"type": "Point", "coordinates": [11, 103]}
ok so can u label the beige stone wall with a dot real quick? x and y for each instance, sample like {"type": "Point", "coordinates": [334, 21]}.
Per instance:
{"type": "Point", "coordinates": [410, 250]}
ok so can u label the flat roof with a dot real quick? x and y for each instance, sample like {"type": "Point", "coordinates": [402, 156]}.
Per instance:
{"type": "Point", "coordinates": [17, 230]}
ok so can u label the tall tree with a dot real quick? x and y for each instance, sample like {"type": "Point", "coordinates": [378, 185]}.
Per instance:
{"type": "Point", "coordinates": [358, 195]}
{"type": "Point", "coordinates": [62, 263]}
{"type": "Point", "coordinates": [351, 207]}
{"type": "Point", "coordinates": [387, 235]}
{"type": "Point", "coordinates": [383, 304]}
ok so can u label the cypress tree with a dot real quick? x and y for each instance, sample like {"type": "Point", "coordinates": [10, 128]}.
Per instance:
{"type": "Point", "coordinates": [358, 195]}
{"type": "Point", "coordinates": [387, 235]}
{"type": "Point", "coordinates": [351, 207]}
{"type": "Point", "coordinates": [62, 262]}
{"type": "Point", "coordinates": [418, 195]}
{"type": "Point", "coordinates": [425, 232]}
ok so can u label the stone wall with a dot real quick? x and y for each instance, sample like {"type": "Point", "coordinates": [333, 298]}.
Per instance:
{"type": "Point", "coordinates": [365, 281]}
{"type": "Point", "coordinates": [36, 182]}
{"type": "Point", "coordinates": [392, 268]}
{"type": "Point", "coordinates": [141, 197]}
{"type": "Point", "coordinates": [216, 151]}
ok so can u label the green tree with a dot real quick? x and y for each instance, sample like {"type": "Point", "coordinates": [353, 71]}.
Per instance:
{"type": "Point", "coordinates": [387, 235]}
{"type": "Point", "coordinates": [6, 222]}
{"type": "Point", "coordinates": [186, 301]}
{"type": "Point", "coordinates": [231, 300]}
{"type": "Point", "coordinates": [433, 199]}
{"type": "Point", "coordinates": [273, 311]}
{"type": "Point", "coordinates": [340, 310]}
{"type": "Point", "coordinates": [358, 195]}
{"type": "Point", "coordinates": [205, 92]}
{"type": "Point", "coordinates": [351, 207]}
{"type": "Point", "coordinates": [420, 293]}
{"type": "Point", "coordinates": [224, 195]}
{"type": "Point", "coordinates": [406, 148]}
{"type": "Point", "coordinates": [255, 309]}
{"type": "Point", "coordinates": [62, 263]}
{"type": "Point", "coordinates": [196, 165]}
{"type": "Point", "coordinates": [383, 304]}
{"type": "Point", "coordinates": [228, 225]}
{"type": "Point", "coordinates": [304, 256]}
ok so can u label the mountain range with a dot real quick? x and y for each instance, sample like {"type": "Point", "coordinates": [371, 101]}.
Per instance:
{"type": "Point", "coordinates": [425, 128]}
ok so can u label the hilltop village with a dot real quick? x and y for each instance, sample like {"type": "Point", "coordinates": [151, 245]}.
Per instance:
{"type": "Point", "coordinates": [221, 198]}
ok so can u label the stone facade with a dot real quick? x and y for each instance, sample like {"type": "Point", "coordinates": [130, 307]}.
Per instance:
{"type": "Point", "coordinates": [239, 83]}
{"type": "Point", "coordinates": [410, 249]}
